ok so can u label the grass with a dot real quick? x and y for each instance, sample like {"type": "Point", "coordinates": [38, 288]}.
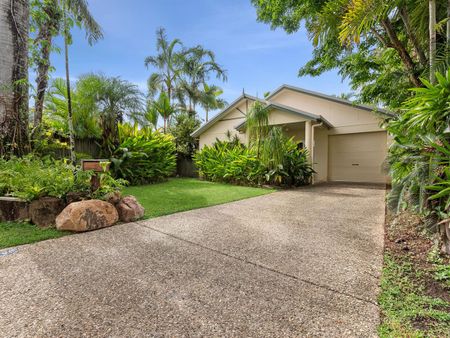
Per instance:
{"type": "Point", "coordinates": [160, 199]}
{"type": "Point", "coordinates": [182, 194]}
{"type": "Point", "coordinates": [406, 309]}
{"type": "Point", "coordinates": [13, 234]}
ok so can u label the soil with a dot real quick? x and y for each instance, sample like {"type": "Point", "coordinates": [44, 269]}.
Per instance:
{"type": "Point", "coordinates": [407, 238]}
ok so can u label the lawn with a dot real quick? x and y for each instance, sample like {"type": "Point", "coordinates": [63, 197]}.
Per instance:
{"type": "Point", "coordinates": [181, 194]}
{"type": "Point", "coordinates": [160, 199]}
{"type": "Point", "coordinates": [12, 234]}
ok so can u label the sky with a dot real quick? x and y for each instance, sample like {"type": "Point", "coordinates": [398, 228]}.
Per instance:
{"type": "Point", "coordinates": [257, 59]}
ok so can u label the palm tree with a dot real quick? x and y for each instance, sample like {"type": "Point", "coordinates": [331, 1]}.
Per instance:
{"type": "Point", "coordinates": [46, 17]}
{"type": "Point", "coordinates": [14, 27]}
{"type": "Point", "coordinates": [198, 66]}
{"type": "Point", "coordinates": [114, 99]}
{"type": "Point", "coordinates": [167, 63]}
{"type": "Point", "coordinates": [432, 29]}
{"type": "Point", "coordinates": [257, 125]}
{"type": "Point", "coordinates": [76, 11]}
{"type": "Point", "coordinates": [210, 99]}
{"type": "Point", "coordinates": [162, 107]}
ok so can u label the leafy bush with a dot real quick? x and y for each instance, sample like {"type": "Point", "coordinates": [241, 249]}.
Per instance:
{"type": "Point", "coordinates": [31, 178]}
{"type": "Point", "coordinates": [229, 162]}
{"type": "Point", "coordinates": [234, 163]}
{"type": "Point", "coordinates": [143, 155]}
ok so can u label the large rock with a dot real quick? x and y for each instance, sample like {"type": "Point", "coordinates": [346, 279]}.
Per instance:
{"type": "Point", "coordinates": [43, 211]}
{"type": "Point", "coordinates": [87, 215]}
{"type": "Point", "coordinates": [129, 209]}
{"type": "Point", "coordinates": [13, 209]}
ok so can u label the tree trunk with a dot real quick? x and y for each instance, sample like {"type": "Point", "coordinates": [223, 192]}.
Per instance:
{"type": "Point", "coordinates": [448, 23]}
{"type": "Point", "coordinates": [432, 29]}
{"type": "Point", "coordinates": [69, 96]}
{"type": "Point", "coordinates": [207, 113]}
{"type": "Point", "coordinates": [14, 27]}
{"type": "Point", "coordinates": [45, 41]}
{"type": "Point", "coordinates": [402, 52]}
{"type": "Point", "coordinates": [413, 37]}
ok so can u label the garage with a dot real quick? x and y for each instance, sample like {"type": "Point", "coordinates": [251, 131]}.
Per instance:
{"type": "Point", "coordinates": [357, 157]}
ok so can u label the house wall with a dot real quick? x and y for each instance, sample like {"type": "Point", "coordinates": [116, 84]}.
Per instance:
{"type": "Point", "coordinates": [320, 154]}
{"type": "Point", "coordinates": [226, 123]}
{"type": "Point", "coordinates": [345, 118]}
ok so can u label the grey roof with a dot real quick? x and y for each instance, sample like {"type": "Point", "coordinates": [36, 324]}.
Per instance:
{"type": "Point", "coordinates": [328, 97]}
{"type": "Point", "coordinates": [209, 124]}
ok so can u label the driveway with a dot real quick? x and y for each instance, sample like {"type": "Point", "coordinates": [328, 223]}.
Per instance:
{"type": "Point", "coordinates": [304, 262]}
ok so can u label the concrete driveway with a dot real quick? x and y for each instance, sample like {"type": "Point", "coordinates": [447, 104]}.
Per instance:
{"type": "Point", "coordinates": [293, 263]}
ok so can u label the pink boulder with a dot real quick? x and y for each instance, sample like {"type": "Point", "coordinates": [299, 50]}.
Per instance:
{"type": "Point", "coordinates": [130, 209]}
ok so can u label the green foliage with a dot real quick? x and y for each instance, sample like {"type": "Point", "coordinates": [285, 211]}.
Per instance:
{"type": "Point", "coordinates": [143, 155]}
{"type": "Point", "coordinates": [226, 162]}
{"type": "Point", "coordinates": [31, 178]}
{"type": "Point", "coordinates": [232, 162]}
{"type": "Point", "coordinates": [181, 129]}
{"type": "Point", "coordinates": [403, 303]}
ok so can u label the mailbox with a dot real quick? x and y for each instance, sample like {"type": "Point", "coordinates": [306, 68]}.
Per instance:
{"type": "Point", "coordinates": [98, 166]}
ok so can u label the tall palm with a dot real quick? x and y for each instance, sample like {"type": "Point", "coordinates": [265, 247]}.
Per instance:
{"type": "Point", "coordinates": [210, 99]}
{"type": "Point", "coordinates": [76, 11]}
{"type": "Point", "coordinates": [14, 27]}
{"type": "Point", "coordinates": [257, 125]}
{"type": "Point", "coordinates": [46, 19]}
{"type": "Point", "coordinates": [167, 64]}
{"type": "Point", "coordinates": [162, 107]}
{"type": "Point", "coordinates": [198, 66]}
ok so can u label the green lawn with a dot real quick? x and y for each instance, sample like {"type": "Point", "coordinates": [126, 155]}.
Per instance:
{"type": "Point", "coordinates": [12, 234]}
{"type": "Point", "coordinates": [160, 199]}
{"type": "Point", "coordinates": [181, 194]}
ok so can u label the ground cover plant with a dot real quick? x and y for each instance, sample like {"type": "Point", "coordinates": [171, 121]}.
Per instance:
{"type": "Point", "coordinates": [415, 283]}
{"type": "Point", "coordinates": [30, 178]}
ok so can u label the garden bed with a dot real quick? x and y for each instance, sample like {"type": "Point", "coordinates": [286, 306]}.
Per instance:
{"type": "Point", "coordinates": [415, 296]}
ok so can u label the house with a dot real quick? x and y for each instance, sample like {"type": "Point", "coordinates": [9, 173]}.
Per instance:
{"type": "Point", "coordinates": [345, 140]}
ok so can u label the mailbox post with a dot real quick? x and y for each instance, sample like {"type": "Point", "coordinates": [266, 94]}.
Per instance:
{"type": "Point", "coordinates": [97, 166]}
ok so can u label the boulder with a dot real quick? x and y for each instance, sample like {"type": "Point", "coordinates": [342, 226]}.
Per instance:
{"type": "Point", "coordinates": [87, 215]}
{"type": "Point", "coordinates": [113, 197]}
{"type": "Point", "coordinates": [43, 211]}
{"type": "Point", "coordinates": [130, 209]}
{"type": "Point", "coordinates": [13, 209]}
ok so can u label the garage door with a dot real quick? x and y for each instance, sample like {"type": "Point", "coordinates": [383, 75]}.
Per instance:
{"type": "Point", "coordinates": [357, 157]}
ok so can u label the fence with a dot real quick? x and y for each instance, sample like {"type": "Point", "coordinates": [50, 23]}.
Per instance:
{"type": "Point", "coordinates": [186, 167]}
{"type": "Point", "coordinates": [87, 146]}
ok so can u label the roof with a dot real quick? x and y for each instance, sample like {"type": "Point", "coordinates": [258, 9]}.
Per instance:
{"type": "Point", "coordinates": [329, 98]}
{"type": "Point", "coordinates": [216, 118]}
{"type": "Point", "coordinates": [306, 115]}
{"type": "Point", "coordinates": [288, 109]}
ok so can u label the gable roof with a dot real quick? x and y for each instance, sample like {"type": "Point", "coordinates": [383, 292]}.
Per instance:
{"type": "Point", "coordinates": [282, 107]}
{"type": "Point", "coordinates": [225, 111]}
{"type": "Point", "coordinates": [329, 98]}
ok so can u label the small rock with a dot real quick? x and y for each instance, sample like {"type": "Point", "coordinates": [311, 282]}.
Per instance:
{"type": "Point", "coordinates": [43, 211]}
{"type": "Point", "coordinates": [87, 215]}
{"type": "Point", "coordinates": [113, 197]}
{"type": "Point", "coordinates": [400, 240]}
{"type": "Point", "coordinates": [130, 209]}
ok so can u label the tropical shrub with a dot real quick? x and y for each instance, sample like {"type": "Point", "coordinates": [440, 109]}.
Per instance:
{"type": "Point", "coordinates": [229, 162]}
{"type": "Point", "coordinates": [31, 178]}
{"type": "Point", "coordinates": [143, 155]}
{"type": "Point", "coordinates": [419, 157]}
{"type": "Point", "coordinates": [232, 162]}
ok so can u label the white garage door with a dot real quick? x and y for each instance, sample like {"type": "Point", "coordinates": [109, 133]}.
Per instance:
{"type": "Point", "coordinates": [357, 157]}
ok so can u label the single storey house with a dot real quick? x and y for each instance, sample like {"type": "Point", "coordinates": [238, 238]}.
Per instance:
{"type": "Point", "coordinates": [345, 140]}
